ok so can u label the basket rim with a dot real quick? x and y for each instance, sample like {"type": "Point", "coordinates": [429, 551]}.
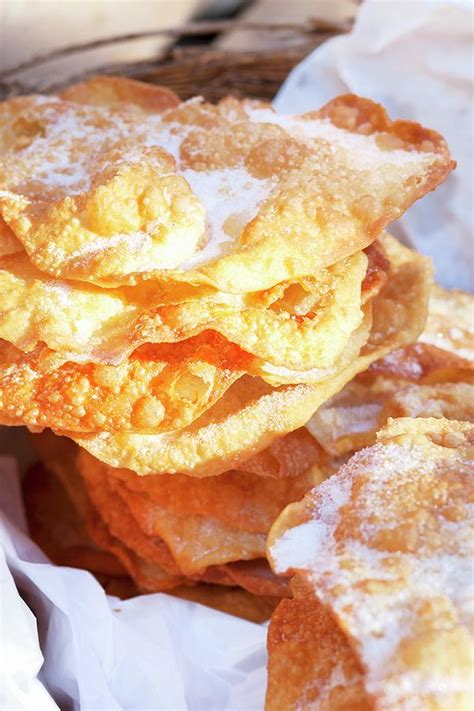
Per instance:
{"type": "Point", "coordinates": [313, 26]}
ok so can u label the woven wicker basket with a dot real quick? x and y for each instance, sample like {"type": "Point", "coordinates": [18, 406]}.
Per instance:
{"type": "Point", "coordinates": [198, 69]}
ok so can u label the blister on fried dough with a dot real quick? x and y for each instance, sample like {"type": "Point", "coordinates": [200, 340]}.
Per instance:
{"type": "Point", "coordinates": [247, 419]}
{"type": "Point", "coordinates": [113, 91]}
{"type": "Point", "coordinates": [158, 388]}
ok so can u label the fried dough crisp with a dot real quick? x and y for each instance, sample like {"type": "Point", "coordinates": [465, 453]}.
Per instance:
{"type": "Point", "coordinates": [55, 527]}
{"type": "Point", "coordinates": [287, 456]}
{"type": "Point", "coordinates": [113, 91]}
{"type": "Point", "coordinates": [9, 244]}
{"type": "Point", "coordinates": [110, 522]}
{"type": "Point", "coordinates": [251, 416]}
{"type": "Point", "coordinates": [243, 500]}
{"type": "Point", "coordinates": [247, 419]}
{"type": "Point", "coordinates": [453, 401]}
{"type": "Point", "coordinates": [311, 665]}
{"type": "Point", "coordinates": [203, 522]}
{"type": "Point", "coordinates": [232, 195]}
{"type": "Point", "coordinates": [446, 307]}
{"type": "Point", "coordinates": [300, 324]}
{"type": "Point", "coordinates": [159, 388]}
{"type": "Point", "coordinates": [387, 546]}
{"type": "Point", "coordinates": [195, 542]}
{"type": "Point", "coordinates": [445, 350]}
{"type": "Point", "coordinates": [350, 420]}
{"type": "Point", "coordinates": [419, 380]}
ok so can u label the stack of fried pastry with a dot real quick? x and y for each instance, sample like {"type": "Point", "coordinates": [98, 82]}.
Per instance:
{"type": "Point", "coordinates": [182, 286]}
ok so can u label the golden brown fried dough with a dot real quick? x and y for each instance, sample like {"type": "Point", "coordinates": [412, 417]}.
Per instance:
{"type": "Point", "coordinates": [160, 387]}
{"type": "Point", "coordinates": [243, 500]}
{"type": "Point", "coordinates": [251, 416]}
{"type": "Point", "coordinates": [453, 401]}
{"type": "Point", "coordinates": [386, 545]}
{"type": "Point", "coordinates": [116, 91]}
{"type": "Point", "coordinates": [204, 522]}
{"type": "Point", "coordinates": [350, 420]}
{"type": "Point", "coordinates": [238, 199]}
{"type": "Point", "coordinates": [9, 244]}
{"type": "Point", "coordinates": [301, 324]}
{"type": "Point", "coordinates": [419, 380]}
{"type": "Point", "coordinates": [445, 350]}
{"type": "Point", "coordinates": [310, 663]}
{"type": "Point", "coordinates": [111, 525]}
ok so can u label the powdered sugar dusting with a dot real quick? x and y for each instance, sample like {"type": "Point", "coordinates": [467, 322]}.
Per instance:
{"type": "Point", "coordinates": [62, 150]}
{"type": "Point", "coordinates": [132, 242]}
{"type": "Point", "coordinates": [301, 547]}
{"type": "Point", "coordinates": [298, 547]}
{"type": "Point", "coordinates": [232, 198]}
{"type": "Point", "coordinates": [365, 147]}
{"type": "Point", "coordinates": [397, 560]}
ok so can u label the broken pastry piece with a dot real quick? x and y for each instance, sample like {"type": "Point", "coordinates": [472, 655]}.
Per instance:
{"type": "Point", "coordinates": [386, 547]}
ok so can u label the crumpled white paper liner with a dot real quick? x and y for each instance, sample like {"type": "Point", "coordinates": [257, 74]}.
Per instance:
{"type": "Point", "coordinates": [101, 653]}
{"type": "Point", "coordinates": [416, 58]}
{"type": "Point", "coordinates": [20, 654]}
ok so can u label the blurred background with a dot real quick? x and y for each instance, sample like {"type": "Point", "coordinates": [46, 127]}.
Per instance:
{"type": "Point", "coordinates": [31, 28]}
{"type": "Point", "coordinates": [405, 54]}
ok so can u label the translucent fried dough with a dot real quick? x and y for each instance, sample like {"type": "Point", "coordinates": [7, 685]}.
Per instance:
{"type": "Point", "coordinates": [242, 200]}
{"type": "Point", "coordinates": [84, 323]}
{"type": "Point", "coordinates": [251, 415]}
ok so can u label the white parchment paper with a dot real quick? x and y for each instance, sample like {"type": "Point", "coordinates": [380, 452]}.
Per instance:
{"type": "Point", "coordinates": [415, 57]}
{"type": "Point", "coordinates": [156, 651]}
{"type": "Point", "coordinates": [102, 653]}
